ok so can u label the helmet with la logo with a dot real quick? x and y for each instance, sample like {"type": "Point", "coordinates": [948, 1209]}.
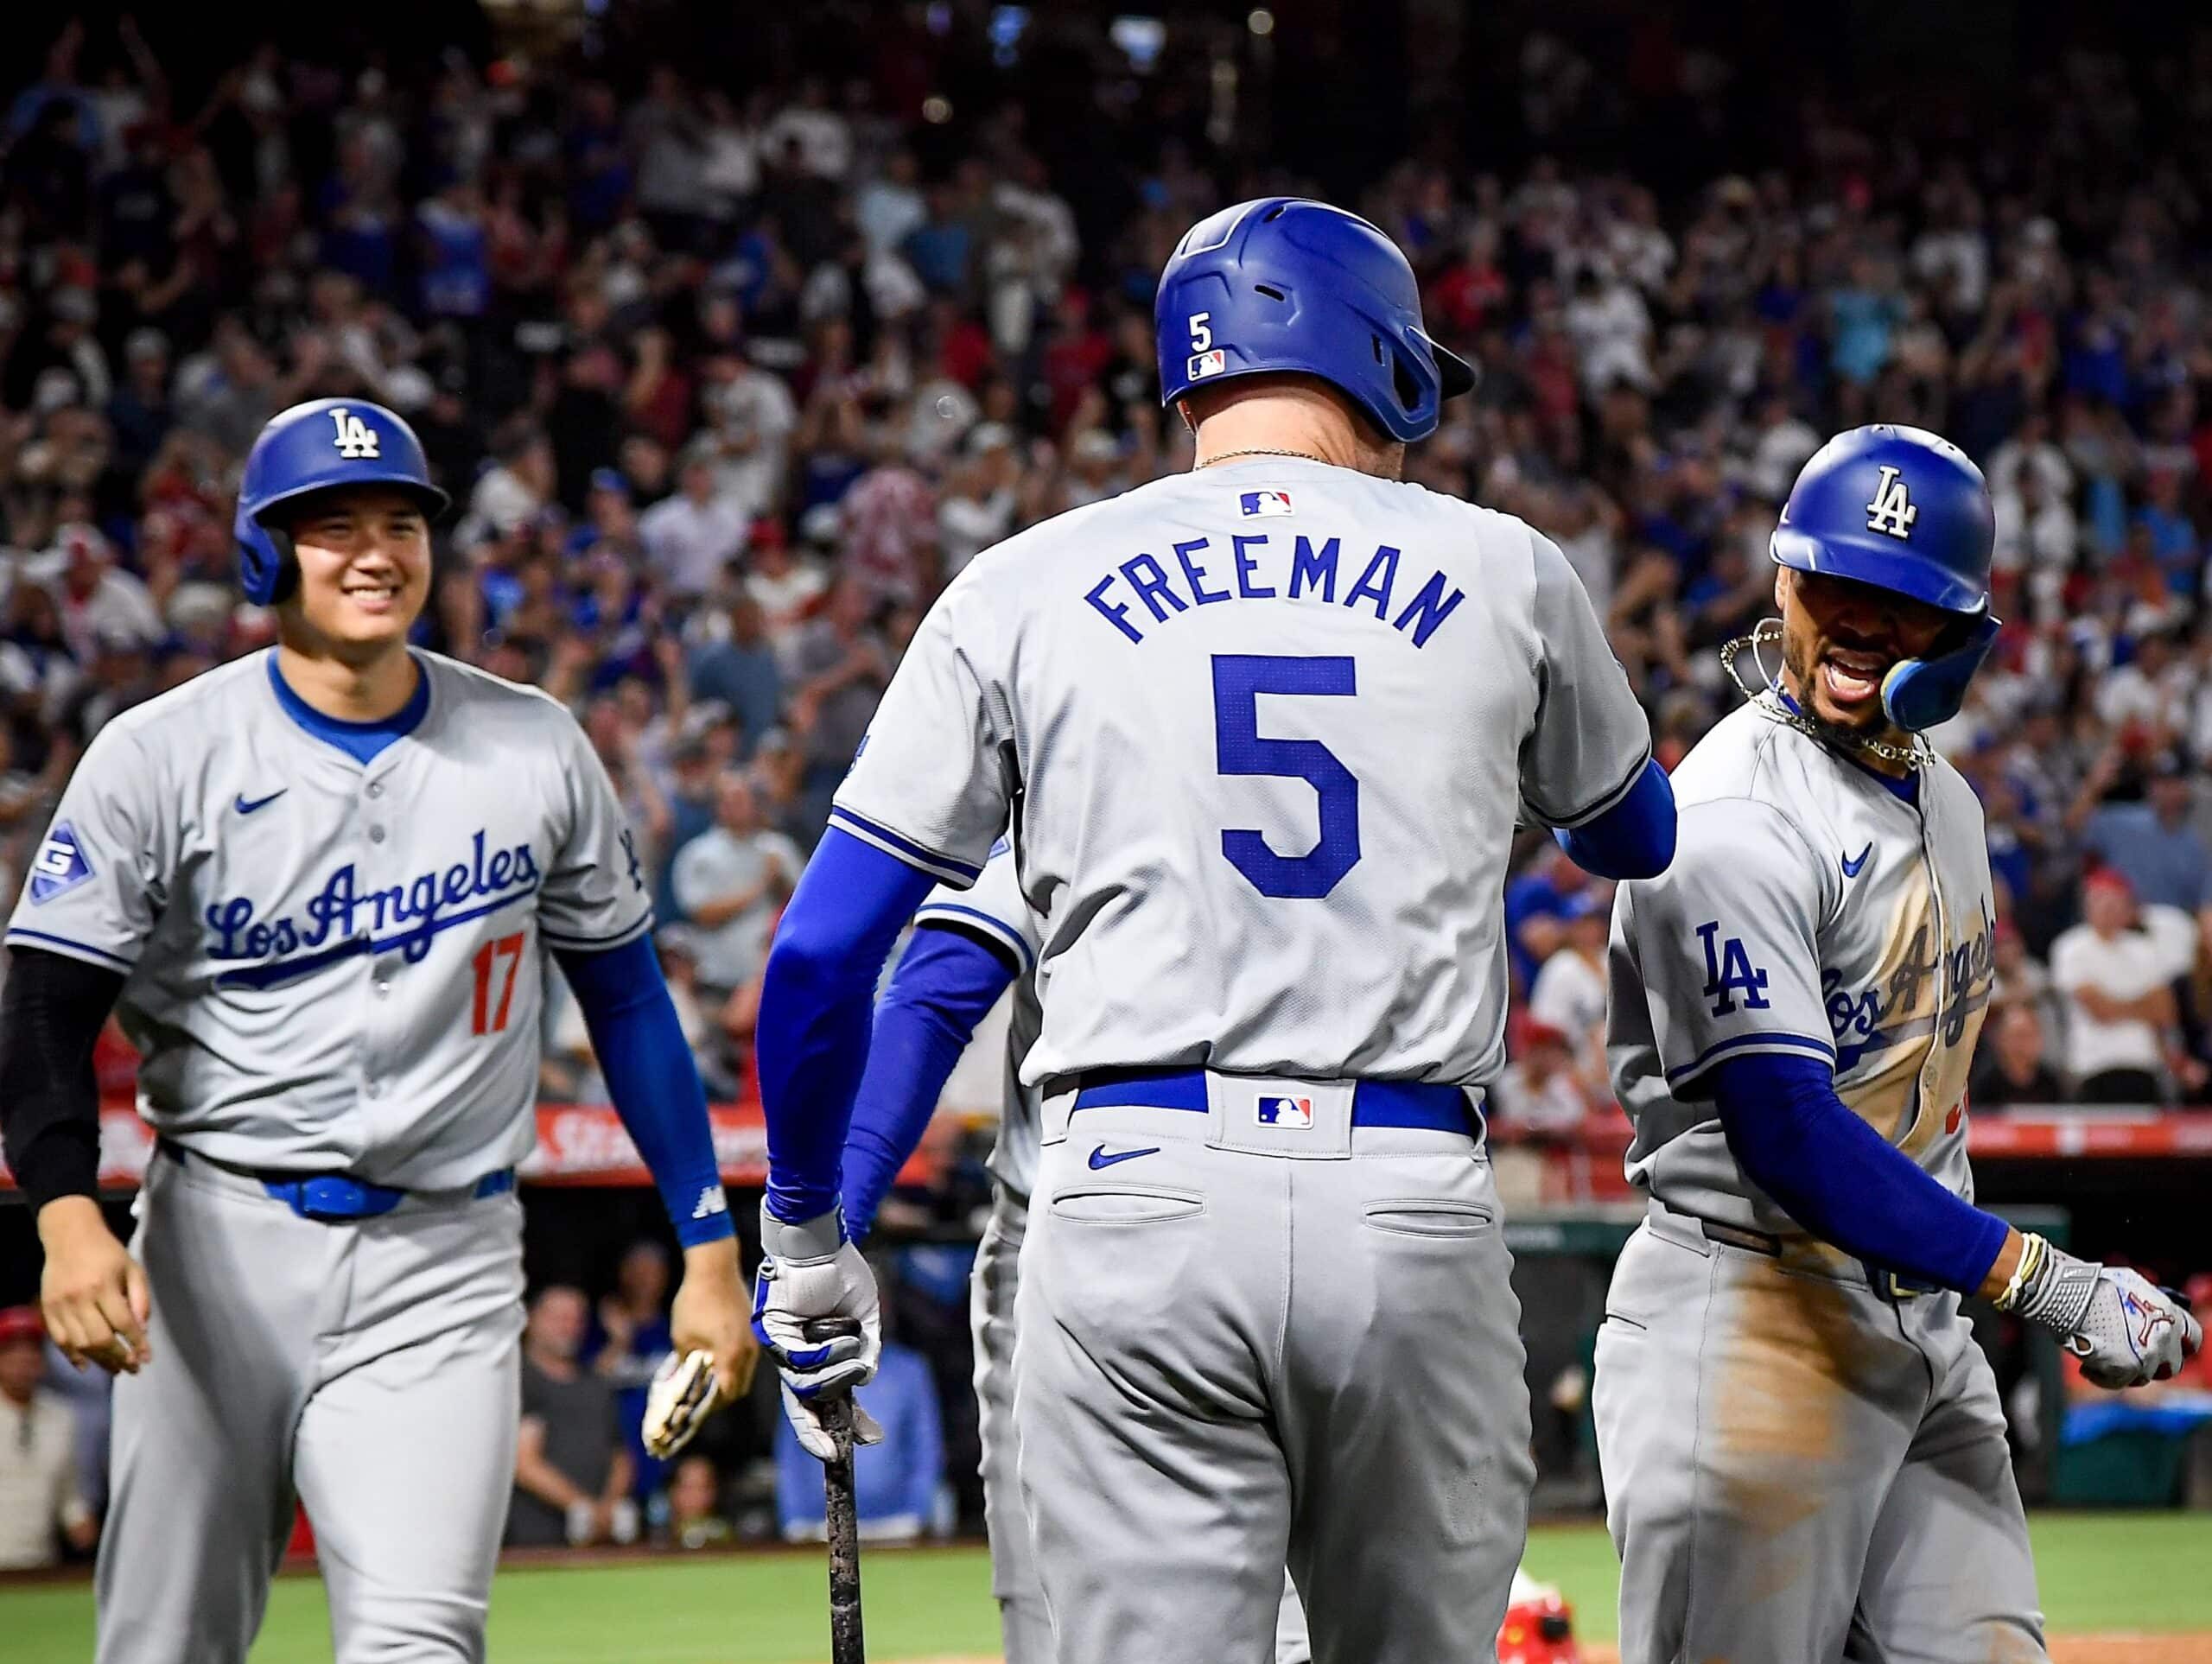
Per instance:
{"type": "Point", "coordinates": [324, 443]}
{"type": "Point", "coordinates": [1904, 509]}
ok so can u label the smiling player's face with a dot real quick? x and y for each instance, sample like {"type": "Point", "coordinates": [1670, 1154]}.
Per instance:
{"type": "Point", "coordinates": [1839, 639]}
{"type": "Point", "coordinates": [364, 568]}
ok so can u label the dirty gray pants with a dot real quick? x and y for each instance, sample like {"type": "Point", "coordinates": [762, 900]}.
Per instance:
{"type": "Point", "coordinates": [1799, 1468]}
{"type": "Point", "coordinates": [370, 1367]}
{"type": "Point", "coordinates": [1250, 1346]}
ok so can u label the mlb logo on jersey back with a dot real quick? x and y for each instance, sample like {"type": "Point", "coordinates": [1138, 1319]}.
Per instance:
{"type": "Point", "coordinates": [1286, 1111]}
{"type": "Point", "coordinates": [1203, 364]}
{"type": "Point", "coordinates": [60, 864]}
{"type": "Point", "coordinates": [1264, 504]}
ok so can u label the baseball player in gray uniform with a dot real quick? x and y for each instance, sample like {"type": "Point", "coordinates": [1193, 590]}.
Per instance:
{"type": "Point", "coordinates": [1257, 735]}
{"type": "Point", "coordinates": [969, 947]}
{"type": "Point", "coordinates": [1803, 1449]}
{"type": "Point", "coordinates": [318, 885]}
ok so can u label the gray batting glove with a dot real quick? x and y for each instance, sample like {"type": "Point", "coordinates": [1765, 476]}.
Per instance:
{"type": "Point", "coordinates": [2126, 1331]}
{"type": "Point", "coordinates": [814, 1309]}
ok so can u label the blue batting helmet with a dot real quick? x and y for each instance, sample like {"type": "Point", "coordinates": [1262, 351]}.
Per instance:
{"type": "Point", "coordinates": [314, 447]}
{"type": "Point", "coordinates": [1906, 511]}
{"type": "Point", "coordinates": [1283, 283]}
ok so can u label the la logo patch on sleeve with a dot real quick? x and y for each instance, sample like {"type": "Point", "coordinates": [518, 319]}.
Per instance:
{"type": "Point", "coordinates": [59, 865]}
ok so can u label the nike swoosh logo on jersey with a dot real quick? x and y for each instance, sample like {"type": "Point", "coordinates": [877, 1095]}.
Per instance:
{"type": "Point", "coordinates": [1852, 868]}
{"type": "Point", "coordinates": [245, 805]}
{"type": "Point", "coordinates": [1099, 1158]}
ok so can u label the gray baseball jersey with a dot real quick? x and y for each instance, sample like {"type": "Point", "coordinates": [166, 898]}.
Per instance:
{"type": "Point", "coordinates": [1262, 730]}
{"type": "Point", "coordinates": [996, 908]}
{"type": "Point", "coordinates": [1811, 912]}
{"type": "Point", "coordinates": [1785, 1434]}
{"type": "Point", "coordinates": [333, 966]}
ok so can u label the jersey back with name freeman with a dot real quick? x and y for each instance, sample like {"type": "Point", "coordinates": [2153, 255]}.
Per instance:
{"type": "Point", "coordinates": [333, 965]}
{"type": "Point", "coordinates": [1261, 734]}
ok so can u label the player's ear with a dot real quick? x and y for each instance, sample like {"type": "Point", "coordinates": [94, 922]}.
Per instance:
{"type": "Point", "coordinates": [1182, 410]}
{"type": "Point", "coordinates": [1781, 577]}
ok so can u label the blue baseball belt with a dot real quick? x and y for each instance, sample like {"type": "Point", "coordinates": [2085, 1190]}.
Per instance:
{"type": "Point", "coordinates": [1417, 1104]}
{"type": "Point", "coordinates": [329, 1198]}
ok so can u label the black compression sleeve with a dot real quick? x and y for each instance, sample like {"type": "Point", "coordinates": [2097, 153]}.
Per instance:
{"type": "Point", "coordinates": [50, 1014]}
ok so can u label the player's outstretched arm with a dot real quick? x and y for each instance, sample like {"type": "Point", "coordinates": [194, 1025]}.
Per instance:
{"type": "Point", "coordinates": [1635, 838]}
{"type": "Point", "coordinates": [639, 1040]}
{"type": "Point", "coordinates": [817, 1000]}
{"type": "Point", "coordinates": [92, 1293]}
{"type": "Point", "coordinates": [1847, 1184]}
{"type": "Point", "coordinates": [946, 982]}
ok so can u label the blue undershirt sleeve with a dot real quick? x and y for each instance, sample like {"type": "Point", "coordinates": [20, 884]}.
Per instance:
{"type": "Point", "coordinates": [1634, 839]}
{"type": "Point", "coordinates": [1843, 1181]}
{"type": "Point", "coordinates": [816, 1004]}
{"type": "Point", "coordinates": [945, 984]}
{"type": "Point", "coordinates": [653, 1079]}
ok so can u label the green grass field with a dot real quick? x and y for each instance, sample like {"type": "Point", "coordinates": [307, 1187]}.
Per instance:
{"type": "Point", "coordinates": [2099, 1572]}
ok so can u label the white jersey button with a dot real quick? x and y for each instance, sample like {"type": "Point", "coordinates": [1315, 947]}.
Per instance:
{"type": "Point", "coordinates": [376, 789]}
{"type": "Point", "coordinates": [375, 835]}
{"type": "Point", "coordinates": [376, 1089]}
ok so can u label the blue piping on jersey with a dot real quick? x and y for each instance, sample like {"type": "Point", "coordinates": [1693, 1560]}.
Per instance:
{"type": "Point", "coordinates": [362, 741]}
{"type": "Point", "coordinates": [73, 945]}
{"type": "Point", "coordinates": [999, 930]}
{"type": "Point", "coordinates": [1765, 1037]}
{"type": "Point", "coordinates": [914, 855]}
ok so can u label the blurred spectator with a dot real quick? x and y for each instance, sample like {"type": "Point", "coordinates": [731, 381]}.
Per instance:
{"type": "Point", "coordinates": [39, 1505]}
{"type": "Point", "coordinates": [2117, 977]}
{"type": "Point", "coordinates": [1541, 1090]}
{"type": "Point", "coordinates": [740, 670]}
{"type": "Point", "coordinates": [628, 1338]}
{"type": "Point", "coordinates": [572, 1475]}
{"type": "Point", "coordinates": [2011, 1068]}
{"type": "Point", "coordinates": [2153, 844]}
{"type": "Point", "coordinates": [690, 539]}
{"type": "Point", "coordinates": [1569, 994]}
{"type": "Point", "coordinates": [731, 882]}
{"type": "Point", "coordinates": [842, 665]}
{"type": "Point", "coordinates": [695, 1516]}
{"type": "Point", "coordinates": [1535, 908]}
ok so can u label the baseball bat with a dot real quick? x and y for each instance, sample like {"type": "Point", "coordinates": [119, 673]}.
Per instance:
{"type": "Point", "coordinates": [842, 1512]}
{"type": "Point", "coordinates": [846, 1646]}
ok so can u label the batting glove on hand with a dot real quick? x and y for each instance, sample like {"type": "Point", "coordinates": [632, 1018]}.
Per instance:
{"type": "Point", "coordinates": [814, 1308]}
{"type": "Point", "coordinates": [2126, 1331]}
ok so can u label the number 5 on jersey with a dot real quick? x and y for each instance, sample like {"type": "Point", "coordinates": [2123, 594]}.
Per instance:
{"type": "Point", "coordinates": [487, 1017]}
{"type": "Point", "coordinates": [1239, 679]}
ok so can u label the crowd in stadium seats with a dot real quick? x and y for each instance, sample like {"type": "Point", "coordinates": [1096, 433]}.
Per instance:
{"type": "Point", "coordinates": [729, 381]}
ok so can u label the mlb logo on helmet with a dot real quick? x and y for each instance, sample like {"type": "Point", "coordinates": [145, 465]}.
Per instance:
{"type": "Point", "coordinates": [1286, 1111]}
{"type": "Point", "coordinates": [1206, 364]}
{"type": "Point", "coordinates": [1261, 503]}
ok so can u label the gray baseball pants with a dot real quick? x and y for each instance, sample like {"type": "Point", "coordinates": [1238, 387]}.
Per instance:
{"type": "Point", "coordinates": [371, 1367]}
{"type": "Point", "coordinates": [1026, 1629]}
{"type": "Point", "coordinates": [1799, 1467]}
{"type": "Point", "coordinates": [1253, 1345]}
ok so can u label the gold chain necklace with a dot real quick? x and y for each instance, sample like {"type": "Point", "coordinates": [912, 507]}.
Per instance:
{"type": "Point", "coordinates": [1913, 756]}
{"type": "Point", "coordinates": [1262, 450]}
